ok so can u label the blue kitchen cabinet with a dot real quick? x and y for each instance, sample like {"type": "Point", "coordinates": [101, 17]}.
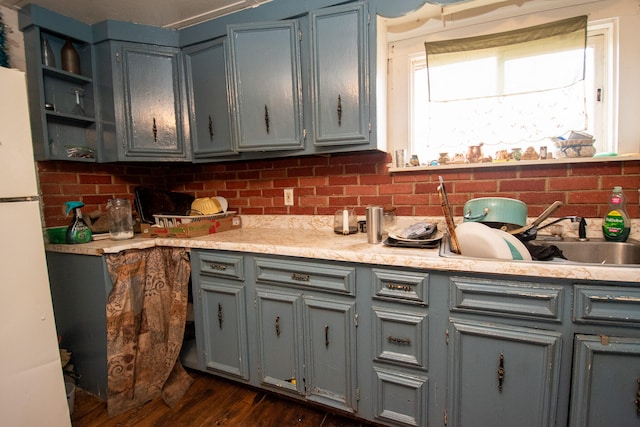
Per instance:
{"type": "Point", "coordinates": [339, 39]}
{"type": "Point", "coordinates": [209, 118]}
{"type": "Point", "coordinates": [60, 130]}
{"type": "Point", "coordinates": [220, 311]}
{"type": "Point", "coordinates": [606, 367]}
{"type": "Point", "coordinates": [265, 82]}
{"type": "Point", "coordinates": [142, 102]}
{"type": "Point", "coordinates": [306, 320]}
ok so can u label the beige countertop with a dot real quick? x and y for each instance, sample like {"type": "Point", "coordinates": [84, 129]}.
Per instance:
{"type": "Point", "coordinates": [313, 237]}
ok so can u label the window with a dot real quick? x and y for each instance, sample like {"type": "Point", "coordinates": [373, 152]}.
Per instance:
{"type": "Point", "coordinates": [524, 120]}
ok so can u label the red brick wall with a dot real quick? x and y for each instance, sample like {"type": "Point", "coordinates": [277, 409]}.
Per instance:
{"type": "Point", "coordinates": [324, 184]}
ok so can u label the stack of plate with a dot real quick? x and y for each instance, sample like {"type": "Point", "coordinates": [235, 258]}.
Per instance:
{"type": "Point", "coordinates": [480, 241]}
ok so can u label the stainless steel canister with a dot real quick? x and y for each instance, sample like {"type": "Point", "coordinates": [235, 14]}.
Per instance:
{"type": "Point", "coordinates": [375, 224]}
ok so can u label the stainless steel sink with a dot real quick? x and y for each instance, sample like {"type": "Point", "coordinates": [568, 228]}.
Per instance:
{"type": "Point", "coordinates": [597, 251]}
{"type": "Point", "coordinates": [593, 251]}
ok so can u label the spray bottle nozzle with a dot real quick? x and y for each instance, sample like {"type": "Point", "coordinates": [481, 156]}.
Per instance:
{"type": "Point", "coordinates": [72, 205]}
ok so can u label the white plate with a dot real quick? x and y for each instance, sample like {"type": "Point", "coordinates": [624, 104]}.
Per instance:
{"type": "Point", "coordinates": [437, 236]}
{"type": "Point", "coordinates": [518, 250]}
{"type": "Point", "coordinates": [479, 241]}
{"type": "Point", "coordinates": [223, 203]}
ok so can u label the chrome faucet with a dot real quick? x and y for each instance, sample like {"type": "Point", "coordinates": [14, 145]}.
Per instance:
{"type": "Point", "coordinates": [582, 226]}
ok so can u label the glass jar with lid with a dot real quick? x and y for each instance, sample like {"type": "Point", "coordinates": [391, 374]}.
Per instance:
{"type": "Point", "coordinates": [120, 219]}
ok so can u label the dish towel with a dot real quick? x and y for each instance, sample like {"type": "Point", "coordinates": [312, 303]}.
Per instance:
{"type": "Point", "coordinates": [146, 313]}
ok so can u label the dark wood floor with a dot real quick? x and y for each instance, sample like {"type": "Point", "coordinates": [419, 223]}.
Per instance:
{"type": "Point", "coordinates": [210, 401]}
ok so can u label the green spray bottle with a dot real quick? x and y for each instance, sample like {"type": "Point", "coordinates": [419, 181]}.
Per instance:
{"type": "Point", "coordinates": [78, 231]}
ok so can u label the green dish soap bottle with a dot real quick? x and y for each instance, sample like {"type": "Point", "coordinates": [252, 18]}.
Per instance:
{"type": "Point", "coordinates": [616, 224]}
{"type": "Point", "coordinates": [78, 230]}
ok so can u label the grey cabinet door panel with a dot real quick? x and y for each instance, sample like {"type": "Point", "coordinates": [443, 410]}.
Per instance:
{"type": "Point", "coordinates": [266, 90]}
{"type": "Point", "coordinates": [503, 375]}
{"type": "Point", "coordinates": [339, 55]}
{"type": "Point", "coordinates": [280, 350]}
{"type": "Point", "coordinates": [152, 92]}
{"type": "Point", "coordinates": [330, 348]}
{"type": "Point", "coordinates": [606, 382]}
{"type": "Point", "coordinates": [225, 328]}
{"type": "Point", "coordinates": [210, 122]}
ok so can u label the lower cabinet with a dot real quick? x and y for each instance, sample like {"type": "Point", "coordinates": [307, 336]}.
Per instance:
{"type": "Point", "coordinates": [405, 347]}
{"type": "Point", "coordinates": [606, 381]}
{"type": "Point", "coordinates": [220, 306]}
{"type": "Point", "coordinates": [502, 375]}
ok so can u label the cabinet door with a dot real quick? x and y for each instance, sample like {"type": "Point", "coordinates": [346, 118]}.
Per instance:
{"type": "Point", "coordinates": [265, 86]}
{"type": "Point", "coordinates": [339, 75]}
{"type": "Point", "coordinates": [502, 375]}
{"type": "Point", "coordinates": [279, 345]}
{"type": "Point", "coordinates": [330, 350]}
{"type": "Point", "coordinates": [209, 118]}
{"type": "Point", "coordinates": [224, 327]}
{"type": "Point", "coordinates": [152, 112]}
{"type": "Point", "coordinates": [606, 383]}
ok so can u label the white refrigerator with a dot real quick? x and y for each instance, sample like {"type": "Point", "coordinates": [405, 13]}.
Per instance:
{"type": "Point", "coordinates": [32, 391]}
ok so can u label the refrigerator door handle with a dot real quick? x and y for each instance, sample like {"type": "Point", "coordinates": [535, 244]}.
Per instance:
{"type": "Point", "coordinates": [19, 199]}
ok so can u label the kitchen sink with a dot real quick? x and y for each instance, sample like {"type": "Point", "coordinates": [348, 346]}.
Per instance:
{"type": "Point", "coordinates": [593, 251]}
{"type": "Point", "coordinates": [596, 251]}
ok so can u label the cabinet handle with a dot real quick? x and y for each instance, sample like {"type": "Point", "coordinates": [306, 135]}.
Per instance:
{"type": "Point", "coordinates": [326, 336]}
{"type": "Point", "coordinates": [278, 325]}
{"type": "Point", "coordinates": [637, 401]}
{"type": "Point", "coordinates": [210, 128]}
{"type": "Point", "coordinates": [220, 317]}
{"type": "Point", "coordinates": [299, 277]}
{"type": "Point", "coordinates": [266, 117]}
{"type": "Point", "coordinates": [395, 287]}
{"type": "Point", "coordinates": [398, 340]}
{"type": "Point", "coordinates": [155, 130]}
{"type": "Point", "coordinates": [339, 110]}
{"type": "Point", "coordinates": [501, 372]}
{"type": "Point", "coordinates": [219, 267]}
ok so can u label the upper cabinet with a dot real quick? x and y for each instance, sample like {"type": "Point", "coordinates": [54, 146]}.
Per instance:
{"type": "Point", "coordinates": [265, 82]}
{"type": "Point", "coordinates": [61, 92]}
{"type": "Point", "coordinates": [210, 122]}
{"type": "Point", "coordinates": [339, 75]}
{"type": "Point", "coordinates": [142, 102]}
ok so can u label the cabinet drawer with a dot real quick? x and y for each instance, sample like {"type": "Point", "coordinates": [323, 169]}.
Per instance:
{"type": "Point", "coordinates": [607, 304]}
{"type": "Point", "coordinates": [506, 298]}
{"type": "Point", "coordinates": [219, 265]}
{"type": "Point", "coordinates": [401, 285]}
{"type": "Point", "coordinates": [400, 398]}
{"type": "Point", "coordinates": [400, 337]}
{"type": "Point", "coordinates": [314, 275]}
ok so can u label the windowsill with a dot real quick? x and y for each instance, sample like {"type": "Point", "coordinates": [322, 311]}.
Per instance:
{"type": "Point", "coordinates": [512, 163]}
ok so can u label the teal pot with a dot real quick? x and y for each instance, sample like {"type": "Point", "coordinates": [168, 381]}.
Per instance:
{"type": "Point", "coordinates": [496, 212]}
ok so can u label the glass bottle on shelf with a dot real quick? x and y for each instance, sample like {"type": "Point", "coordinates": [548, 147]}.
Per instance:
{"type": "Point", "coordinates": [70, 58]}
{"type": "Point", "coordinates": [48, 58]}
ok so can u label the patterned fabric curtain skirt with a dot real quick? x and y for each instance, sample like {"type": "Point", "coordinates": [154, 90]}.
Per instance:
{"type": "Point", "coordinates": [146, 313]}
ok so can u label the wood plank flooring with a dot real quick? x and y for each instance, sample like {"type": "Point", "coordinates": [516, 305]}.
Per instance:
{"type": "Point", "coordinates": [210, 401]}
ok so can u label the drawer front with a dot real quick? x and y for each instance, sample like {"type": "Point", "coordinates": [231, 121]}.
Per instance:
{"type": "Point", "coordinates": [606, 305]}
{"type": "Point", "coordinates": [506, 298]}
{"type": "Point", "coordinates": [219, 265]}
{"type": "Point", "coordinates": [401, 398]}
{"type": "Point", "coordinates": [401, 285]}
{"type": "Point", "coordinates": [401, 337]}
{"type": "Point", "coordinates": [314, 275]}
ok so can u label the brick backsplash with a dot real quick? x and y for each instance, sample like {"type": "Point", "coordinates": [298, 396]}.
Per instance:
{"type": "Point", "coordinates": [324, 184]}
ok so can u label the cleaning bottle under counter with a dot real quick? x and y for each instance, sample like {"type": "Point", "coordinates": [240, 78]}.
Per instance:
{"type": "Point", "coordinates": [616, 225]}
{"type": "Point", "coordinates": [78, 230]}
